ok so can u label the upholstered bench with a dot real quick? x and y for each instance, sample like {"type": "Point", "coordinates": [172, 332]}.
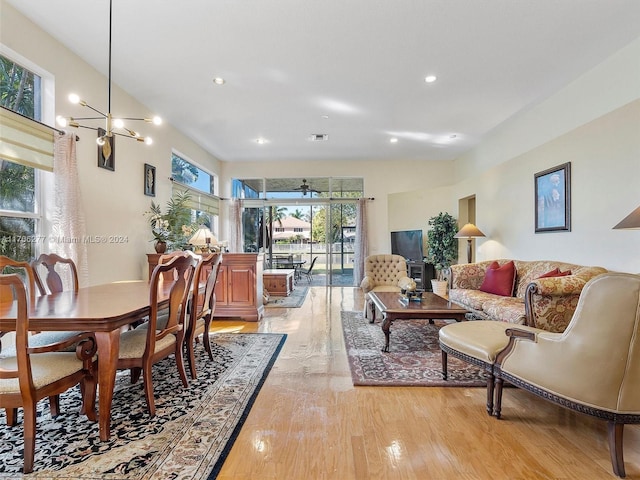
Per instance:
{"type": "Point", "coordinates": [476, 342]}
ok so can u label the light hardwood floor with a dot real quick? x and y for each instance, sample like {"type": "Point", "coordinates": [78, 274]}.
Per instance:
{"type": "Point", "coordinates": [309, 422]}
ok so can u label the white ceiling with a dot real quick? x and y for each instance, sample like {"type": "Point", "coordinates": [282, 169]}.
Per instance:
{"type": "Point", "coordinates": [361, 62]}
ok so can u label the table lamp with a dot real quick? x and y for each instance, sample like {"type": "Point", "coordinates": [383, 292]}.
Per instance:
{"type": "Point", "coordinates": [469, 231]}
{"type": "Point", "coordinates": [203, 240]}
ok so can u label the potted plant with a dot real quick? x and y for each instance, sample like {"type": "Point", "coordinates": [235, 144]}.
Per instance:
{"type": "Point", "coordinates": [171, 230]}
{"type": "Point", "coordinates": [442, 248]}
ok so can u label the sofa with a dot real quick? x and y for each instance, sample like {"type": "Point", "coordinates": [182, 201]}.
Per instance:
{"type": "Point", "coordinates": [546, 303]}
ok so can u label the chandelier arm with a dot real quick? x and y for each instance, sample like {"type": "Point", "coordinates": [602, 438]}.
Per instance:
{"type": "Point", "coordinates": [104, 115]}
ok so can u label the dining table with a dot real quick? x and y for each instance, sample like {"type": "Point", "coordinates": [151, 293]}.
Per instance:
{"type": "Point", "coordinates": [102, 309]}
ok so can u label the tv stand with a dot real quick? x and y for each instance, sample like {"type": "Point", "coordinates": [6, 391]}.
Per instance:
{"type": "Point", "coordinates": [421, 273]}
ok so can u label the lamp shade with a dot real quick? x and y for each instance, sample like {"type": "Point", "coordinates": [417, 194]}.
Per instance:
{"type": "Point", "coordinates": [203, 238]}
{"type": "Point", "coordinates": [630, 221]}
{"type": "Point", "coordinates": [469, 231]}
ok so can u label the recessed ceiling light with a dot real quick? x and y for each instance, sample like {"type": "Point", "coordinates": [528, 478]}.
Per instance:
{"type": "Point", "coordinates": [393, 140]}
{"type": "Point", "coordinates": [218, 81]}
{"type": "Point", "coordinates": [261, 140]}
{"type": "Point", "coordinates": [430, 78]}
{"type": "Point", "coordinates": [324, 116]}
{"type": "Point", "coordinates": [453, 135]}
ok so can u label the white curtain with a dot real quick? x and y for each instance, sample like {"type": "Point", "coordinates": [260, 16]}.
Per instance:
{"type": "Point", "coordinates": [68, 220]}
{"type": "Point", "coordinates": [361, 250]}
{"type": "Point", "coordinates": [235, 220]}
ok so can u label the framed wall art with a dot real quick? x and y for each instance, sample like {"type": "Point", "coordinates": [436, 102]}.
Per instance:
{"type": "Point", "coordinates": [553, 199]}
{"type": "Point", "coordinates": [107, 152]}
{"type": "Point", "coordinates": [149, 180]}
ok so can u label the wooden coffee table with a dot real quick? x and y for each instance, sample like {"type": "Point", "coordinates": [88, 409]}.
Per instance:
{"type": "Point", "coordinates": [394, 306]}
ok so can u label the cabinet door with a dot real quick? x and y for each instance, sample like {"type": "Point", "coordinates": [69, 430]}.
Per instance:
{"type": "Point", "coordinates": [241, 285]}
{"type": "Point", "coordinates": [221, 286]}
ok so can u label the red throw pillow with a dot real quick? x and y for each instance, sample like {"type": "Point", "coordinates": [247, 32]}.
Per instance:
{"type": "Point", "coordinates": [555, 273]}
{"type": "Point", "coordinates": [499, 280]}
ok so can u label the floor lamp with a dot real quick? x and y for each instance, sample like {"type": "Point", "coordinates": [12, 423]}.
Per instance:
{"type": "Point", "coordinates": [469, 231]}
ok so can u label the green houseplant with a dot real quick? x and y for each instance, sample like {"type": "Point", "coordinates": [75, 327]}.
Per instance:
{"type": "Point", "coordinates": [171, 230]}
{"type": "Point", "coordinates": [442, 246]}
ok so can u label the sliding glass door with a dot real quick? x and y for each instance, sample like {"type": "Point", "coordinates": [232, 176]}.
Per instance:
{"type": "Point", "coordinates": [300, 222]}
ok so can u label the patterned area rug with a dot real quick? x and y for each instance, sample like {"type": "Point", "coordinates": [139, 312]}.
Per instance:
{"type": "Point", "coordinates": [414, 359]}
{"type": "Point", "coordinates": [189, 438]}
{"type": "Point", "coordinates": [294, 300]}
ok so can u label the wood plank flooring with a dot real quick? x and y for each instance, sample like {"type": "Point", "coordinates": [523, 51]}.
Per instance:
{"type": "Point", "coordinates": [309, 422]}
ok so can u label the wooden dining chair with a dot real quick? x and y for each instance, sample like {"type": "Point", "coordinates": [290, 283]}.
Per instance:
{"type": "Point", "coordinates": [202, 306]}
{"type": "Point", "coordinates": [150, 342]}
{"type": "Point", "coordinates": [47, 268]}
{"type": "Point", "coordinates": [24, 270]}
{"type": "Point", "coordinates": [34, 373]}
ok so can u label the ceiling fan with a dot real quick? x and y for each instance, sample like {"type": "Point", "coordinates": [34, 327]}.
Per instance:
{"type": "Point", "coordinates": [306, 188]}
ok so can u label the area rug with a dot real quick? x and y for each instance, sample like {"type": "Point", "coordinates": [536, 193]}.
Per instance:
{"type": "Point", "coordinates": [189, 438]}
{"type": "Point", "coordinates": [414, 358]}
{"type": "Point", "coordinates": [294, 300]}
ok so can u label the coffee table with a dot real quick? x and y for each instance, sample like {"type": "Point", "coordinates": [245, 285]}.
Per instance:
{"type": "Point", "coordinates": [394, 306]}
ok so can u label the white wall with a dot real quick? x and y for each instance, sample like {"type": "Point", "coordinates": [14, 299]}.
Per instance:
{"type": "Point", "coordinates": [594, 123]}
{"type": "Point", "coordinates": [114, 202]}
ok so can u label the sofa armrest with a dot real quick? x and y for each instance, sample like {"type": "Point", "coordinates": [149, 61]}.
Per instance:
{"type": "Point", "coordinates": [550, 302]}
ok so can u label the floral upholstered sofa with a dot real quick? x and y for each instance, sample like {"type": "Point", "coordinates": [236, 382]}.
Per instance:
{"type": "Point", "coordinates": [547, 303]}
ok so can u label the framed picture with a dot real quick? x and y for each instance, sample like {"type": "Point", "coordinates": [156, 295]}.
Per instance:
{"type": "Point", "coordinates": [107, 152]}
{"type": "Point", "coordinates": [553, 199]}
{"type": "Point", "coordinates": [149, 180]}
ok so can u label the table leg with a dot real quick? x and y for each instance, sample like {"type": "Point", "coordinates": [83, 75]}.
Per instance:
{"type": "Point", "coordinates": [386, 328]}
{"type": "Point", "coordinates": [108, 349]}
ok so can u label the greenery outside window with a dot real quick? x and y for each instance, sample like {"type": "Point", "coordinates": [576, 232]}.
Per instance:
{"type": "Point", "coordinates": [20, 213]}
{"type": "Point", "coordinates": [201, 186]}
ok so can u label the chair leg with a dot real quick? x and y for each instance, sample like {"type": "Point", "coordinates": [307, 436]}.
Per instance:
{"type": "Point", "coordinates": [206, 339]}
{"type": "Point", "coordinates": [191, 358]}
{"type": "Point", "coordinates": [29, 412]}
{"type": "Point", "coordinates": [148, 388]}
{"type": "Point", "coordinates": [490, 390]}
{"type": "Point", "coordinates": [54, 405]}
{"type": "Point", "coordinates": [444, 365]}
{"type": "Point", "coordinates": [615, 431]}
{"type": "Point", "coordinates": [498, 397]}
{"type": "Point", "coordinates": [135, 374]}
{"type": "Point", "coordinates": [88, 389]}
{"type": "Point", "coordinates": [180, 361]}
{"type": "Point", "coordinates": [12, 416]}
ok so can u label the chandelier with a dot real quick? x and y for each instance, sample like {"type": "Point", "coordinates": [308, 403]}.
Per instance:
{"type": "Point", "coordinates": [114, 125]}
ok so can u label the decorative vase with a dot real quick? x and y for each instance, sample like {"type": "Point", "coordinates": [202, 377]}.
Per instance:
{"type": "Point", "coordinates": [439, 287]}
{"type": "Point", "coordinates": [160, 247]}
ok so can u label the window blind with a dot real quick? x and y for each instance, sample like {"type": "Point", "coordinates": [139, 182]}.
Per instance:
{"type": "Point", "coordinates": [25, 141]}
{"type": "Point", "coordinates": [198, 200]}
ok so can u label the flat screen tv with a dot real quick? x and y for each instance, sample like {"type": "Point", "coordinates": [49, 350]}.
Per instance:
{"type": "Point", "coordinates": [407, 243]}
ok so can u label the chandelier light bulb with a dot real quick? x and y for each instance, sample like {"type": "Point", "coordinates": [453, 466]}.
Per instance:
{"type": "Point", "coordinates": [157, 120]}
{"type": "Point", "coordinates": [73, 98]}
{"type": "Point", "coordinates": [100, 141]}
{"type": "Point", "coordinates": [148, 140]}
{"type": "Point", "coordinates": [118, 123]}
{"type": "Point", "coordinates": [61, 121]}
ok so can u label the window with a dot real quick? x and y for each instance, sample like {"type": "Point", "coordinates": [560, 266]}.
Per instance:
{"type": "Point", "coordinates": [21, 91]}
{"type": "Point", "coordinates": [201, 186]}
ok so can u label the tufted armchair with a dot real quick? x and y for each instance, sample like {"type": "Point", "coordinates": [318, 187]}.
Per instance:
{"type": "Point", "coordinates": [593, 366]}
{"type": "Point", "coordinates": [382, 273]}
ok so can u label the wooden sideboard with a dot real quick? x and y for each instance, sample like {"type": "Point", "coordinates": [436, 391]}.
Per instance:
{"type": "Point", "coordinates": [238, 286]}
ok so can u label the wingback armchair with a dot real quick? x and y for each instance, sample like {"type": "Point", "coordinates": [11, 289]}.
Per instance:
{"type": "Point", "coordinates": [593, 366]}
{"type": "Point", "coordinates": [382, 273]}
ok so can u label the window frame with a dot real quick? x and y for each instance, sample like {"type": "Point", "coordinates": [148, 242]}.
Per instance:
{"type": "Point", "coordinates": [47, 116]}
